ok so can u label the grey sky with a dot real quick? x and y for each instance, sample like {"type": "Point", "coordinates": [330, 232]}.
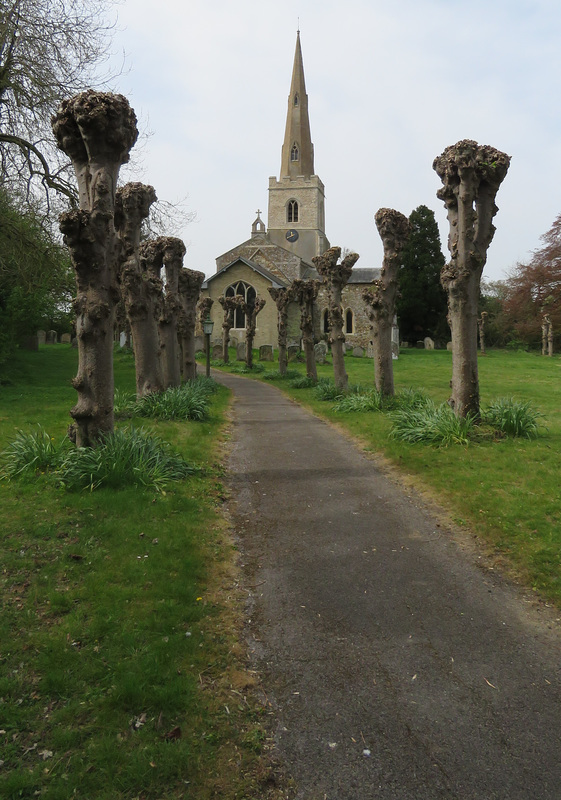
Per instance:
{"type": "Point", "coordinates": [390, 86]}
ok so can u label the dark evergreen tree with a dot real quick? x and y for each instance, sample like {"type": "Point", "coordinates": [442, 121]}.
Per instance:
{"type": "Point", "coordinates": [422, 306]}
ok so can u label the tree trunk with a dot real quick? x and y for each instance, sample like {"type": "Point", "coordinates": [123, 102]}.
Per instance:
{"type": "Point", "coordinates": [229, 304]}
{"type": "Point", "coordinates": [96, 130]}
{"type": "Point", "coordinates": [141, 292]}
{"type": "Point", "coordinates": [550, 339]}
{"type": "Point", "coordinates": [481, 323]}
{"type": "Point", "coordinates": [251, 312]}
{"type": "Point", "coordinates": [336, 276]}
{"type": "Point", "coordinates": [190, 283]}
{"type": "Point", "coordinates": [471, 175]}
{"type": "Point", "coordinates": [282, 298]}
{"type": "Point", "coordinates": [306, 292]}
{"type": "Point", "coordinates": [545, 332]}
{"type": "Point", "coordinates": [393, 228]}
{"type": "Point", "coordinates": [173, 251]}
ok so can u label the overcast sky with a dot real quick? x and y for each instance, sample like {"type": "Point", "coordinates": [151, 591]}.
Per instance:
{"type": "Point", "coordinates": [390, 85]}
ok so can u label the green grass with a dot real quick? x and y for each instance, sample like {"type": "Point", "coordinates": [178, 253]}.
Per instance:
{"type": "Point", "coordinates": [506, 491]}
{"type": "Point", "coordinates": [121, 675]}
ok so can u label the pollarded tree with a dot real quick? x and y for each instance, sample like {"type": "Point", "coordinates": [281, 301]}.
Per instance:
{"type": "Point", "coordinates": [140, 291]}
{"type": "Point", "coordinates": [282, 297]}
{"type": "Point", "coordinates": [305, 293]}
{"type": "Point", "coordinates": [394, 229]}
{"type": "Point", "coordinates": [471, 175]}
{"type": "Point", "coordinates": [229, 304]}
{"type": "Point", "coordinates": [96, 130]}
{"type": "Point", "coordinates": [336, 275]}
{"type": "Point", "coordinates": [421, 302]}
{"type": "Point", "coordinates": [251, 309]}
{"type": "Point", "coordinates": [190, 282]}
{"type": "Point", "coordinates": [173, 251]}
{"type": "Point", "coordinates": [48, 51]}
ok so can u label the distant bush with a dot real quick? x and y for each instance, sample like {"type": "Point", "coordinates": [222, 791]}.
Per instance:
{"type": "Point", "coordinates": [291, 374]}
{"type": "Point", "coordinates": [303, 382]}
{"type": "Point", "coordinates": [360, 400]}
{"type": "Point", "coordinates": [513, 417]}
{"type": "Point", "coordinates": [431, 424]}
{"type": "Point", "coordinates": [326, 390]}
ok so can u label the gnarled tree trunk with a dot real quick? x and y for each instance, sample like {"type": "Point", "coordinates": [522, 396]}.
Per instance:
{"type": "Point", "coordinates": [481, 323]}
{"type": "Point", "coordinates": [336, 275]}
{"type": "Point", "coordinates": [203, 312]}
{"type": "Point", "coordinates": [190, 282]}
{"type": "Point", "coordinates": [96, 130]}
{"type": "Point", "coordinates": [141, 292]}
{"type": "Point", "coordinates": [251, 310]}
{"type": "Point", "coordinates": [282, 298]}
{"type": "Point", "coordinates": [173, 250]}
{"type": "Point", "coordinates": [229, 304]}
{"type": "Point", "coordinates": [471, 175]}
{"type": "Point", "coordinates": [305, 293]}
{"type": "Point", "coordinates": [393, 228]}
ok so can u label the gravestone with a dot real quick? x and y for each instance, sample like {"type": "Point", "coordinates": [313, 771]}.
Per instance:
{"type": "Point", "coordinates": [66, 338]}
{"type": "Point", "coordinates": [429, 343]}
{"type": "Point", "coordinates": [199, 344]}
{"type": "Point", "coordinates": [292, 352]}
{"type": "Point", "coordinates": [75, 342]}
{"type": "Point", "coordinates": [240, 351]}
{"type": "Point", "coordinates": [420, 344]}
{"type": "Point", "coordinates": [217, 352]}
{"type": "Point", "coordinates": [233, 341]}
{"type": "Point", "coordinates": [266, 352]}
{"type": "Point", "coordinates": [449, 346]}
{"type": "Point", "coordinates": [395, 350]}
{"type": "Point", "coordinates": [122, 339]}
{"type": "Point", "coordinates": [358, 352]}
{"type": "Point", "coordinates": [51, 337]}
{"type": "Point", "coordinates": [41, 337]}
{"type": "Point", "coordinates": [347, 347]}
{"type": "Point", "coordinates": [320, 350]}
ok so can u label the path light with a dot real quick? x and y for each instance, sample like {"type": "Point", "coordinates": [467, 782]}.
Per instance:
{"type": "Point", "coordinates": [208, 325]}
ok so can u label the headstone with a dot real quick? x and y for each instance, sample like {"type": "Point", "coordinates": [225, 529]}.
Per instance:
{"type": "Point", "coordinates": [30, 343]}
{"type": "Point", "coordinates": [74, 342]}
{"type": "Point", "coordinates": [449, 346]}
{"type": "Point", "coordinates": [199, 344]}
{"type": "Point", "coordinates": [420, 344]}
{"type": "Point", "coordinates": [266, 352]}
{"type": "Point", "coordinates": [429, 343]}
{"type": "Point", "coordinates": [358, 352]}
{"type": "Point", "coordinates": [122, 339]}
{"type": "Point", "coordinates": [320, 350]}
{"type": "Point", "coordinates": [51, 337]}
{"type": "Point", "coordinates": [395, 350]}
{"type": "Point", "coordinates": [234, 341]}
{"type": "Point", "coordinates": [292, 352]}
{"type": "Point", "coordinates": [217, 352]}
{"type": "Point", "coordinates": [66, 338]}
{"type": "Point", "coordinates": [41, 337]}
{"type": "Point", "coordinates": [348, 347]}
{"type": "Point", "coordinates": [240, 351]}
{"type": "Point", "coordinates": [405, 344]}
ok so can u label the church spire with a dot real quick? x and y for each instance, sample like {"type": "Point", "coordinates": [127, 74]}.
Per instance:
{"type": "Point", "coordinates": [297, 150]}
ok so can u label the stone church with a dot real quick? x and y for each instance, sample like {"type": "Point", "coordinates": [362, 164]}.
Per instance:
{"type": "Point", "coordinates": [276, 255]}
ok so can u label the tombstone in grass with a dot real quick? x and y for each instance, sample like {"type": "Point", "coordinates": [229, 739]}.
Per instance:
{"type": "Point", "coordinates": [292, 352]}
{"type": "Point", "coordinates": [320, 350]}
{"type": "Point", "coordinates": [66, 338]}
{"type": "Point", "coordinates": [42, 337]}
{"type": "Point", "coordinates": [216, 352]}
{"type": "Point", "coordinates": [240, 351]}
{"type": "Point", "coordinates": [52, 337]}
{"type": "Point", "coordinates": [449, 346]}
{"type": "Point", "coordinates": [358, 352]}
{"type": "Point", "coordinates": [429, 343]}
{"type": "Point", "coordinates": [199, 344]}
{"type": "Point", "coordinates": [266, 352]}
{"type": "Point", "coordinates": [420, 344]}
{"type": "Point", "coordinates": [74, 342]}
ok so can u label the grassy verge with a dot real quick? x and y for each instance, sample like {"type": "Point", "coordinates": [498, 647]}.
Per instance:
{"type": "Point", "coordinates": [506, 492]}
{"type": "Point", "coordinates": [121, 673]}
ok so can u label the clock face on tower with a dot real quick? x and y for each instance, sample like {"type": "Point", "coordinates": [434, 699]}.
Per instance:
{"type": "Point", "coordinates": [291, 235]}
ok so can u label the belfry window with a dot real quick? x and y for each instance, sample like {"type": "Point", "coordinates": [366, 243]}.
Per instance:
{"type": "Point", "coordinates": [295, 153]}
{"type": "Point", "coordinates": [292, 211]}
{"type": "Point", "coordinates": [296, 100]}
{"type": "Point", "coordinates": [243, 290]}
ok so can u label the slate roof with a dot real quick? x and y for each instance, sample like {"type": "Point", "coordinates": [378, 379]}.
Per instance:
{"type": "Point", "coordinates": [358, 275]}
{"type": "Point", "coordinates": [277, 283]}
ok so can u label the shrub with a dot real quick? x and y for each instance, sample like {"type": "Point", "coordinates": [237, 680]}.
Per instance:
{"type": "Point", "coordinates": [303, 382]}
{"type": "Point", "coordinates": [127, 457]}
{"type": "Point", "coordinates": [291, 374]}
{"type": "Point", "coordinates": [326, 390]}
{"type": "Point", "coordinates": [242, 369]}
{"type": "Point", "coordinates": [513, 417]}
{"type": "Point", "coordinates": [362, 400]}
{"type": "Point", "coordinates": [189, 401]}
{"type": "Point", "coordinates": [432, 424]}
{"type": "Point", "coordinates": [123, 404]}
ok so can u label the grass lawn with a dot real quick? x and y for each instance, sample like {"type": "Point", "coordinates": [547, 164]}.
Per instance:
{"type": "Point", "coordinates": [506, 492]}
{"type": "Point", "coordinates": [121, 673]}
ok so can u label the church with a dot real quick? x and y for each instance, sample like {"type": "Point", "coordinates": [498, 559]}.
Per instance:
{"type": "Point", "coordinates": [275, 255]}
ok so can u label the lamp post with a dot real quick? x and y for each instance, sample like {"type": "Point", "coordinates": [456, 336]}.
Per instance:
{"type": "Point", "coordinates": [208, 325]}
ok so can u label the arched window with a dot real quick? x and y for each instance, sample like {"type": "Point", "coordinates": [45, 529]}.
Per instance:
{"type": "Point", "coordinates": [295, 153]}
{"type": "Point", "coordinates": [349, 321]}
{"type": "Point", "coordinates": [248, 293]}
{"type": "Point", "coordinates": [292, 211]}
{"type": "Point", "coordinates": [325, 321]}
{"type": "Point", "coordinates": [296, 100]}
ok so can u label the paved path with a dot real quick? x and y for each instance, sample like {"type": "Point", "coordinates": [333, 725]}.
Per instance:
{"type": "Point", "coordinates": [398, 668]}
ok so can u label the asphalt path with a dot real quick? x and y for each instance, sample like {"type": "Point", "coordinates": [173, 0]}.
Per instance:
{"type": "Point", "coordinates": [398, 668]}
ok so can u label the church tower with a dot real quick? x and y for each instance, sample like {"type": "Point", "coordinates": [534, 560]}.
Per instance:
{"type": "Point", "coordinates": [297, 200]}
